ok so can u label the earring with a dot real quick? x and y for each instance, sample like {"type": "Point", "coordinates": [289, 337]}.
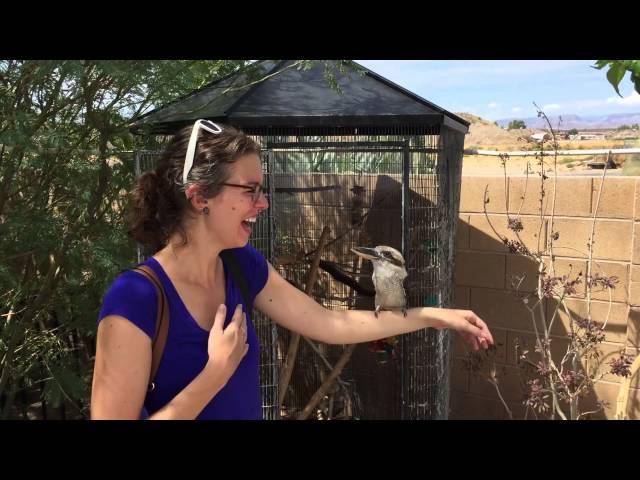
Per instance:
{"type": "Point", "coordinates": [205, 211]}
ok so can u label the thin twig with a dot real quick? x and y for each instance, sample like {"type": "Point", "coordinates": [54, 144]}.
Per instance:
{"type": "Point", "coordinates": [504, 404]}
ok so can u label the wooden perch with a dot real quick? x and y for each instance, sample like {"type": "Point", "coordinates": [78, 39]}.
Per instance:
{"type": "Point", "coordinates": [292, 352]}
{"type": "Point", "coordinates": [315, 348]}
{"type": "Point", "coordinates": [282, 260]}
{"type": "Point", "coordinates": [328, 383]}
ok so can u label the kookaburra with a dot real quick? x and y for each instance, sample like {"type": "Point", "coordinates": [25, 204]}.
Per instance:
{"type": "Point", "coordinates": [388, 277]}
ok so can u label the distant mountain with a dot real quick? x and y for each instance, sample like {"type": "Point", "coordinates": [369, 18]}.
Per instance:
{"type": "Point", "coordinates": [580, 123]}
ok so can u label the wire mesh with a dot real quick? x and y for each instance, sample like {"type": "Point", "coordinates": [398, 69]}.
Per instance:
{"type": "Point", "coordinates": [397, 187]}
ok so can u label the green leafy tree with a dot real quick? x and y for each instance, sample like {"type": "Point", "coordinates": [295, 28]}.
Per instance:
{"type": "Point", "coordinates": [516, 125]}
{"type": "Point", "coordinates": [66, 164]}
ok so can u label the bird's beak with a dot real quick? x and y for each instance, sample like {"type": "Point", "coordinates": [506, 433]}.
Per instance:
{"type": "Point", "coordinates": [368, 253]}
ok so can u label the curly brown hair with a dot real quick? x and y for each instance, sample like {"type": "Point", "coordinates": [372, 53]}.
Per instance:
{"type": "Point", "coordinates": [158, 202]}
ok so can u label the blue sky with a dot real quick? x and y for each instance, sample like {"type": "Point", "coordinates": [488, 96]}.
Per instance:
{"type": "Point", "coordinates": [496, 89]}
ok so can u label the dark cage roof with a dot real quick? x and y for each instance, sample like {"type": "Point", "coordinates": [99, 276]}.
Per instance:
{"type": "Point", "coordinates": [298, 98]}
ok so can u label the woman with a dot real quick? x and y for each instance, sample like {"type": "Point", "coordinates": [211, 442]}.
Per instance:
{"type": "Point", "coordinates": [203, 199]}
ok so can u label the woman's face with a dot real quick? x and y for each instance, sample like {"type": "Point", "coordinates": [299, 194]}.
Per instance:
{"type": "Point", "coordinates": [233, 211]}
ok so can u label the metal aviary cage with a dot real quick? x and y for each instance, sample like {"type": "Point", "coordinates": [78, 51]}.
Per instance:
{"type": "Point", "coordinates": [372, 178]}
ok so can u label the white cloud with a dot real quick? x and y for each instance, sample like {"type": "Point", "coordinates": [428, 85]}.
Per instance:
{"type": "Point", "coordinates": [586, 104]}
{"type": "Point", "coordinates": [551, 106]}
{"type": "Point", "coordinates": [492, 105]}
{"type": "Point", "coordinates": [516, 109]}
{"type": "Point", "coordinates": [632, 100]}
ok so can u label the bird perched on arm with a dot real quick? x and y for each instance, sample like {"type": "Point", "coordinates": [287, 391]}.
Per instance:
{"type": "Point", "coordinates": [388, 277]}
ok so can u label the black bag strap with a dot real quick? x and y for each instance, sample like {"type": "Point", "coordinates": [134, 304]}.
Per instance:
{"type": "Point", "coordinates": [230, 261]}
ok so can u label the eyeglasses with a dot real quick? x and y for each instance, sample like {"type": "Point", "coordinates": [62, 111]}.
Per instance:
{"type": "Point", "coordinates": [255, 190]}
{"type": "Point", "coordinates": [207, 125]}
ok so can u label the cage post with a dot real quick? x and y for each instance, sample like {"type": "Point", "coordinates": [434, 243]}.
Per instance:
{"type": "Point", "coordinates": [406, 169]}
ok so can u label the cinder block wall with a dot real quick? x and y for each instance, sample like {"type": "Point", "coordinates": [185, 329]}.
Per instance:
{"type": "Point", "coordinates": [485, 272]}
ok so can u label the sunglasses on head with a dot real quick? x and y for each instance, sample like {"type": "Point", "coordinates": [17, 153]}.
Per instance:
{"type": "Point", "coordinates": [207, 125]}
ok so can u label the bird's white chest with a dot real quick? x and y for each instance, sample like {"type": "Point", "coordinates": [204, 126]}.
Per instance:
{"type": "Point", "coordinates": [389, 291]}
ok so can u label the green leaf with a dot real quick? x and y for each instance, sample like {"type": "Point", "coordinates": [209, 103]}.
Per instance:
{"type": "Point", "coordinates": [615, 75]}
{"type": "Point", "coordinates": [600, 64]}
{"type": "Point", "coordinates": [635, 78]}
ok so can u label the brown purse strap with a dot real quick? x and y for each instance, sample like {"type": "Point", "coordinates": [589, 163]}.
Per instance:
{"type": "Point", "coordinates": [162, 322]}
